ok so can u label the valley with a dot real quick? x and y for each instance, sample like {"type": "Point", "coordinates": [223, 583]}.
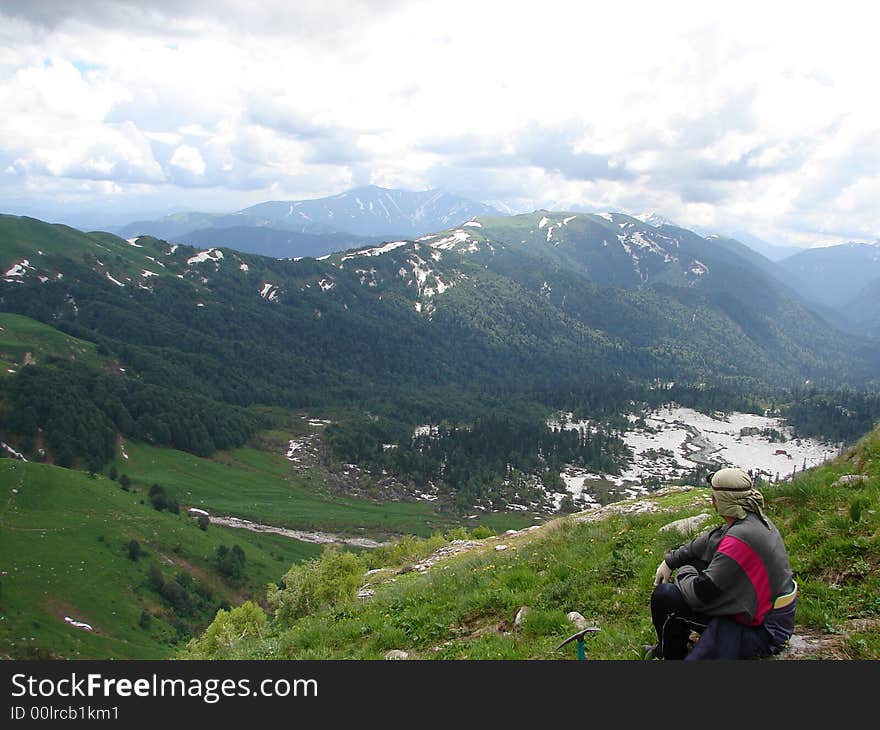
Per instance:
{"type": "Point", "coordinates": [182, 425]}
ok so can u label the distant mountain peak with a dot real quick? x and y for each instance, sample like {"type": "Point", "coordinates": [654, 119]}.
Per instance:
{"type": "Point", "coordinates": [655, 220]}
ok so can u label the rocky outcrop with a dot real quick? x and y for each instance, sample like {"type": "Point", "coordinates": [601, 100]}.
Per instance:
{"type": "Point", "coordinates": [852, 479]}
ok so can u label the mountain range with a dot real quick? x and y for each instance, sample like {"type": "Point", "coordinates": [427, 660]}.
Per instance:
{"type": "Point", "coordinates": [827, 279]}
{"type": "Point", "coordinates": [367, 211]}
{"type": "Point", "coordinates": [774, 252]}
{"type": "Point", "coordinates": [552, 292]}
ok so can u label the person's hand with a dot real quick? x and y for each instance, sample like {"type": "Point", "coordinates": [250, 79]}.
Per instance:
{"type": "Point", "coordinates": [664, 573]}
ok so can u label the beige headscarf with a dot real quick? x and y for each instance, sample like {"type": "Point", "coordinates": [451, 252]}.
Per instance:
{"type": "Point", "coordinates": [735, 494]}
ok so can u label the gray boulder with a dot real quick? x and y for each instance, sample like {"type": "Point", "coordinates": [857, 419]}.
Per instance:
{"type": "Point", "coordinates": [850, 479]}
{"type": "Point", "coordinates": [687, 525]}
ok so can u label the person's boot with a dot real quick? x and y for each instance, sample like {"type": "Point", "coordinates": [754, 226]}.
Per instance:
{"type": "Point", "coordinates": [651, 651]}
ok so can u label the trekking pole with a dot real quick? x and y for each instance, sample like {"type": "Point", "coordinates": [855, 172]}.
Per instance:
{"type": "Point", "coordinates": [579, 637]}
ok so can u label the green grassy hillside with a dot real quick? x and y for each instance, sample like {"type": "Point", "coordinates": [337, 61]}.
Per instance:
{"type": "Point", "coordinates": [47, 247]}
{"type": "Point", "coordinates": [64, 544]}
{"type": "Point", "coordinates": [260, 485]}
{"type": "Point", "coordinates": [24, 340]}
{"type": "Point", "coordinates": [600, 564]}
{"type": "Point", "coordinates": [65, 536]}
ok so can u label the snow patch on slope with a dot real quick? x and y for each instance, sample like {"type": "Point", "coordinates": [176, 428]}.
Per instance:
{"type": "Point", "coordinates": [19, 269]}
{"type": "Point", "coordinates": [447, 243]}
{"type": "Point", "coordinates": [377, 250]}
{"type": "Point", "coordinates": [212, 254]}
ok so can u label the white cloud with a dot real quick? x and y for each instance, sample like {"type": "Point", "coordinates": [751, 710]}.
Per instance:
{"type": "Point", "coordinates": [758, 116]}
{"type": "Point", "coordinates": [189, 159]}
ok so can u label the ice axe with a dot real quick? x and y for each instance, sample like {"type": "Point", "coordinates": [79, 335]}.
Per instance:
{"type": "Point", "coordinates": [579, 637]}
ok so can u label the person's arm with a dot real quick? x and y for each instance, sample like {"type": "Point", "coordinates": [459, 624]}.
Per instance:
{"type": "Point", "coordinates": [693, 552]}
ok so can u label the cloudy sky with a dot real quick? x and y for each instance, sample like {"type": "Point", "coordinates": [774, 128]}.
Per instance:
{"type": "Point", "coordinates": [758, 116]}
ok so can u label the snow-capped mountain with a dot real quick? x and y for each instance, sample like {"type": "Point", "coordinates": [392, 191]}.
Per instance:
{"type": "Point", "coordinates": [366, 211]}
{"type": "Point", "coordinates": [609, 249]}
{"type": "Point", "coordinates": [655, 219]}
{"type": "Point", "coordinates": [372, 211]}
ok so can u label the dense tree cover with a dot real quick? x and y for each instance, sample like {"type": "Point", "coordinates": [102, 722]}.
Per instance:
{"type": "Point", "coordinates": [490, 458]}
{"type": "Point", "coordinates": [80, 411]}
{"type": "Point", "coordinates": [841, 415]}
{"type": "Point", "coordinates": [610, 397]}
{"type": "Point", "coordinates": [308, 348]}
{"type": "Point", "coordinates": [488, 461]}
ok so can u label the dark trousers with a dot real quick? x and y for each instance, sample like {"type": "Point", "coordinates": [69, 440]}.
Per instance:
{"type": "Point", "coordinates": [720, 637]}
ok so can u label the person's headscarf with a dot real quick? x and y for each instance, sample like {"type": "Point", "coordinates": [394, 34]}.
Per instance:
{"type": "Point", "coordinates": [735, 494]}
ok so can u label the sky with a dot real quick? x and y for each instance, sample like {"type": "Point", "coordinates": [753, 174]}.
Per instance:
{"type": "Point", "coordinates": [754, 116]}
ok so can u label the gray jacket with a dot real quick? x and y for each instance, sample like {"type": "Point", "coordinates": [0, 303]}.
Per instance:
{"type": "Point", "coordinates": [738, 571]}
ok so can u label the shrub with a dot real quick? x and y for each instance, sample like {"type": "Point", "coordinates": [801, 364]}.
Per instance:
{"type": "Point", "coordinates": [158, 497]}
{"type": "Point", "coordinates": [228, 629]}
{"type": "Point", "coordinates": [230, 563]}
{"type": "Point", "coordinates": [155, 579]}
{"type": "Point", "coordinates": [316, 584]}
{"type": "Point", "coordinates": [134, 550]}
{"type": "Point", "coordinates": [567, 504]}
{"type": "Point", "coordinates": [177, 596]}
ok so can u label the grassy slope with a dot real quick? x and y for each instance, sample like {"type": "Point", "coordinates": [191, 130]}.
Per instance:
{"type": "Point", "coordinates": [464, 607]}
{"type": "Point", "coordinates": [20, 335]}
{"type": "Point", "coordinates": [62, 541]}
{"type": "Point", "coordinates": [261, 486]}
{"type": "Point", "coordinates": [40, 243]}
